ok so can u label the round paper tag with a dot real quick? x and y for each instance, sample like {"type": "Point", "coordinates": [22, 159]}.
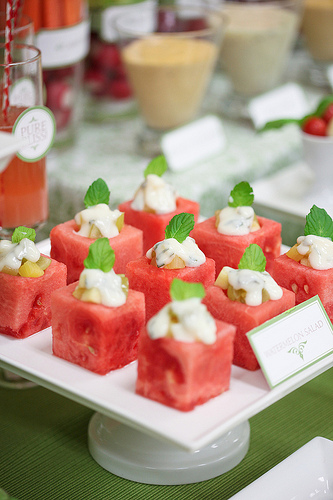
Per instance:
{"type": "Point", "coordinates": [36, 126]}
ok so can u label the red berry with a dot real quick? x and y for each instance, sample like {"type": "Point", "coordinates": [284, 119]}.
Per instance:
{"type": "Point", "coordinates": [328, 113]}
{"type": "Point", "coordinates": [107, 57]}
{"type": "Point", "coordinates": [314, 126]}
{"type": "Point", "coordinates": [120, 89]}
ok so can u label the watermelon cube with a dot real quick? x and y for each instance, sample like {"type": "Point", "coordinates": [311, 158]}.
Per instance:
{"type": "Point", "coordinates": [304, 281]}
{"type": "Point", "coordinates": [25, 303]}
{"type": "Point", "coordinates": [153, 225]}
{"type": "Point", "coordinates": [227, 250]}
{"type": "Point", "coordinates": [245, 318]}
{"type": "Point", "coordinates": [155, 282]}
{"type": "Point", "coordinates": [71, 248]}
{"type": "Point", "coordinates": [184, 374]}
{"type": "Point", "coordinates": [94, 336]}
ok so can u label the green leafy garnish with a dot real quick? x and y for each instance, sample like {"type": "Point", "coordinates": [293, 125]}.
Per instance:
{"type": "Point", "coordinates": [182, 290]}
{"type": "Point", "coordinates": [241, 196]}
{"type": "Point", "coordinates": [318, 112]}
{"type": "Point", "coordinates": [318, 223]}
{"type": "Point", "coordinates": [101, 256]}
{"type": "Point", "coordinates": [253, 258]}
{"type": "Point", "coordinates": [22, 232]}
{"type": "Point", "coordinates": [98, 192]}
{"type": "Point", "coordinates": [275, 124]}
{"type": "Point", "coordinates": [180, 227]}
{"type": "Point", "coordinates": [157, 166]}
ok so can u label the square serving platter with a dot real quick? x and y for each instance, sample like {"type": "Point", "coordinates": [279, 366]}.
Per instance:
{"type": "Point", "coordinates": [306, 474]}
{"type": "Point", "coordinates": [114, 394]}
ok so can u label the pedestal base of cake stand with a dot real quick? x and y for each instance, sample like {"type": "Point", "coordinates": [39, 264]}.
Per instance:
{"type": "Point", "coordinates": [131, 454]}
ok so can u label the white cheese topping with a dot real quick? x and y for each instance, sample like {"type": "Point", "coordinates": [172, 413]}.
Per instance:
{"type": "Point", "coordinates": [11, 254]}
{"type": "Point", "coordinates": [169, 248]}
{"type": "Point", "coordinates": [235, 220]}
{"type": "Point", "coordinates": [100, 216]}
{"type": "Point", "coordinates": [155, 195]}
{"type": "Point", "coordinates": [319, 250]}
{"type": "Point", "coordinates": [109, 285]}
{"type": "Point", "coordinates": [185, 321]}
{"type": "Point", "coordinates": [253, 282]}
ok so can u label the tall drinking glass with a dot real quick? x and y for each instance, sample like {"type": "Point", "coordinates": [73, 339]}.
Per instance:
{"type": "Point", "coordinates": [169, 54]}
{"type": "Point", "coordinates": [23, 31]}
{"type": "Point", "coordinates": [257, 44]}
{"type": "Point", "coordinates": [23, 183]}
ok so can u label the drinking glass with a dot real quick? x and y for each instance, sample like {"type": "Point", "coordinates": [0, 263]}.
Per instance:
{"type": "Point", "coordinates": [257, 44]}
{"type": "Point", "coordinates": [317, 30]}
{"type": "Point", "coordinates": [169, 53]}
{"type": "Point", "coordinates": [23, 183]}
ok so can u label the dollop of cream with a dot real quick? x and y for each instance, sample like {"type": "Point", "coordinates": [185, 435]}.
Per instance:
{"type": "Point", "coordinates": [169, 248]}
{"type": "Point", "coordinates": [11, 254]}
{"type": "Point", "coordinates": [253, 283]}
{"type": "Point", "coordinates": [109, 285]}
{"type": "Point", "coordinates": [155, 195]}
{"type": "Point", "coordinates": [235, 220]}
{"type": "Point", "coordinates": [99, 216]}
{"type": "Point", "coordinates": [185, 321]}
{"type": "Point", "coordinates": [319, 251]}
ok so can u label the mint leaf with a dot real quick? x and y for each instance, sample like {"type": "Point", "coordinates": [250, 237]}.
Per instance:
{"type": "Point", "coordinates": [275, 124]}
{"type": "Point", "coordinates": [321, 108]}
{"type": "Point", "coordinates": [157, 166]}
{"type": "Point", "coordinates": [241, 196]}
{"type": "Point", "coordinates": [253, 258]}
{"type": "Point", "coordinates": [98, 192]}
{"type": "Point", "coordinates": [182, 290]}
{"type": "Point", "coordinates": [22, 232]}
{"type": "Point", "coordinates": [101, 256]}
{"type": "Point", "coordinates": [318, 223]}
{"type": "Point", "coordinates": [180, 227]}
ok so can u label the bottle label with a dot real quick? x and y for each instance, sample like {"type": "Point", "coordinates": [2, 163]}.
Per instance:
{"type": "Point", "coordinates": [64, 46]}
{"type": "Point", "coordinates": [36, 126]}
{"type": "Point", "coordinates": [108, 31]}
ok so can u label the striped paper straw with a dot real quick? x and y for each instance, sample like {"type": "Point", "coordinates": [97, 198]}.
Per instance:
{"type": "Point", "coordinates": [8, 55]}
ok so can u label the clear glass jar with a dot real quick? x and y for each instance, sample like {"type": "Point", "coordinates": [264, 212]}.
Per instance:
{"type": "Point", "coordinates": [108, 94]}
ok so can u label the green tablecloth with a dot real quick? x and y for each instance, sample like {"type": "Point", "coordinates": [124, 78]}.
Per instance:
{"type": "Point", "coordinates": [44, 454]}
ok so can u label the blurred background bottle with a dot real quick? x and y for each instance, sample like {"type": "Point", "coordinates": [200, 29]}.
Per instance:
{"type": "Point", "coordinates": [62, 34]}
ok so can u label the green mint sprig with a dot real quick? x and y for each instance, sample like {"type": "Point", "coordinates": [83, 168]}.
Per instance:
{"type": "Point", "coordinates": [22, 232]}
{"type": "Point", "coordinates": [101, 256]}
{"type": "Point", "coordinates": [157, 166]}
{"type": "Point", "coordinates": [182, 290]}
{"type": "Point", "coordinates": [253, 258]}
{"type": "Point", "coordinates": [98, 192]}
{"type": "Point", "coordinates": [318, 223]}
{"type": "Point", "coordinates": [180, 227]}
{"type": "Point", "coordinates": [318, 112]}
{"type": "Point", "coordinates": [241, 196]}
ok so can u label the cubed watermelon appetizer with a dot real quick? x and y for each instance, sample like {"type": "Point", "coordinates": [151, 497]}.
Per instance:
{"type": "Point", "coordinates": [304, 281]}
{"type": "Point", "coordinates": [183, 375]}
{"type": "Point", "coordinates": [227, 250]}
{"type": "Point", "coordinates": [25, 303]}
{"type": "Point", "coordinates": [71, 248]}
{"type": "Point", "coordinates": [245, 318]}
{"type": "Point", "coordinates": [93, 336]}
{"type": "Point", "coordinates": [155, 282]}
{"type": "Point", "coordinates": [153, 225]}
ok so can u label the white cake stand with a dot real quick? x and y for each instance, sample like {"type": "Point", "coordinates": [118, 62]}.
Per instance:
{"type": "Point", "coordinates": [130, 454]}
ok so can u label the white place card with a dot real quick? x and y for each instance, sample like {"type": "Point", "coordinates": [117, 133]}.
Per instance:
{"type": "Point", "coordinates": [192, 143]}
{"type": "Point", "coordinates": [287, 101]}
{"type": "Point", "coordinates": [291, 342]}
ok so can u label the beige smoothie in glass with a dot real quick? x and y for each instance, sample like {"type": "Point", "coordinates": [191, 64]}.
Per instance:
{"type": "Point", "coordinates": [317, 28]}
{"type": "Point", "coordinates": [256, 45]}
{"type": "Point", "coordinates": [169, 76]}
